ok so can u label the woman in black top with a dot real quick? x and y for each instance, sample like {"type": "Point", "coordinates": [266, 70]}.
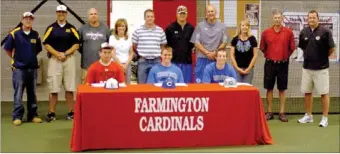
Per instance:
{"type": "Point", "coordinates": [244, 52]}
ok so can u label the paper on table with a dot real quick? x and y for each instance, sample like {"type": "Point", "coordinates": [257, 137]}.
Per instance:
{"type": "Point", "coordinates": [181, 84]}
{"type": "Point", "coordinates": [177, 84]}
{"type": "Point", "coordinates": [122, 85]}
{"type": "Point", "coordinates": [97, 84]}
{"type": "Point", "coordinates": [237, 84]}
{"type": "Point", "coordinates": [243, 84]}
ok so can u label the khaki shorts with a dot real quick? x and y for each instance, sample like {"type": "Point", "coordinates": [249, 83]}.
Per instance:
{"type": "Point", "coordinates": [83, 76]}
{"type": "Point", "coordinates": [315, 78]}
{"type": "Point", "coordinates": [61, 73]}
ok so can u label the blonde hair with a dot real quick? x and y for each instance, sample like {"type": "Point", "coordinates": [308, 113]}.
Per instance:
{"type": "Point", "coordinates": [118, 23]}
{"type": "Point", "coordinates": [166, 47]}
{"type": "Point", "coordinates": [238, 30]}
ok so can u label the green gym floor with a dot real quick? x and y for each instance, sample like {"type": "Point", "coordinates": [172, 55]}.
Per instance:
{"type": "Point", "coordinates": [55, 137]}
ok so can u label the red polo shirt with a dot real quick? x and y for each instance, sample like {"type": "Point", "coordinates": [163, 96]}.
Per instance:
{"type": "Point", "coordinates": [277, 45]}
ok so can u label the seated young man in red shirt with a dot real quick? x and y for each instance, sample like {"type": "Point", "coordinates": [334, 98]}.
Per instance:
{"type": "Point", "coordinates": [104, 68]}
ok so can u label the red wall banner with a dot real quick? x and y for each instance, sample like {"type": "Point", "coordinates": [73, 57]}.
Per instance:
{"type": "Point", "coordinates": [165, 11]}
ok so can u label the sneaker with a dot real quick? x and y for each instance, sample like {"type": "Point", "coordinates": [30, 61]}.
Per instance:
{"type": "Point", "coordinates": [50, 117]}
{"type": "Point", "coordinates": [324, 122]}
{"type": "Point", "coordinates": [17, 122]}
{"type": "Point", "coordinates": [36, 120]}
{"type": "Point", "coordinates": [269, 116]}
{"type": "Point", "coordinates": [306, 119]}
{"type": "Point", "coordinates": [282, 117]}
{"type": "Point", "coordinates": [70, 115]}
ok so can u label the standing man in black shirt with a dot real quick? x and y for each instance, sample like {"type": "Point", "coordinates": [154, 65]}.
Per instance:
{"type": "Point", "coordinates": [178, 36]}
{"type": "Point", "coordinates": [317, 44]}
{"type": "Point", "coordinates": [61, 40]}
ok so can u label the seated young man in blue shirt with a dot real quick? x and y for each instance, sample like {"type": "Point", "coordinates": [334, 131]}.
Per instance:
{"type": "Point", "coordinates": [160, 72]}
{"type": "Point", "coordinates": [218, 71]}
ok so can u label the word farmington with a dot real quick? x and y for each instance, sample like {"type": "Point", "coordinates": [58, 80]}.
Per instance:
{"type": "Point", "coordinates": [171, 104]}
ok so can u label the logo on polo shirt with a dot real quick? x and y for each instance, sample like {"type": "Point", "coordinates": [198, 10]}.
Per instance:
{"type": "Point", "coordinates": [198, 80]}
{"type": "Point", "coordinates": [176, 32]}
{"type": "Point", "coordinates": [94, 36]}
{"type": "Point", "coordinates": [306, 38]}
{"type": "Point", "coordinates": [317, 38]}
{"type": "Point", "coordinates": [33, 41]}
{"type": "Point", "coordinates": [68, 30]}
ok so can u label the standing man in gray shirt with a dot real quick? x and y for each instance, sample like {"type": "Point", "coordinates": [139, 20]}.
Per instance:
{"type": "Point", "coordinates": [92, 35]}
{"type": "Point", "coordinates": [209, 36]}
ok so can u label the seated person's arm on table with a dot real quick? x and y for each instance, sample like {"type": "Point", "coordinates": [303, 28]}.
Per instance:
{"type": "Point", "coordinates": [90, 76]}
{"type": "Point", "coordinates": [151, 76]}
{"type": "Point", "coordinates": [181, 78]}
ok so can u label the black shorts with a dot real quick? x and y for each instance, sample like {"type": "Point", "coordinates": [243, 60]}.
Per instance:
{"type": "Point", "coordinates": [276, 70]}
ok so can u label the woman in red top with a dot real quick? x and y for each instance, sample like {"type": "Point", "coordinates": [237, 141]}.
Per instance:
{"type": "Point", "coordinates": [104, 68]}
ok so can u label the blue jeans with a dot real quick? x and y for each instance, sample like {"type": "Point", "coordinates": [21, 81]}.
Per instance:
{"type": "Point", "coordinates": [144, 66]}
{"type": "Point", "coordinates": [24, 78]}
{"type": "Point", "coordinates": [199, 68]}
{"type": "Point", "coordinates": [128, 74]}
{"type": "Point", "coordinates": [186, 71]}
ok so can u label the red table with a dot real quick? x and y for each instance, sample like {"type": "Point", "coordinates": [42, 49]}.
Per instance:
{"type": "Point", "coordinates": [146, 116]}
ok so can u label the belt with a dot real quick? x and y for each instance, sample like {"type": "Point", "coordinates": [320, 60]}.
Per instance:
{"type": "Point", "coordinates": [276, 61]}
{"type": "Point", "coordinates": [149, 58]}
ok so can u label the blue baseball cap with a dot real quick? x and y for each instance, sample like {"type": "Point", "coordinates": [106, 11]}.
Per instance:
{"type": "Point", "coordinates": [169, 83]}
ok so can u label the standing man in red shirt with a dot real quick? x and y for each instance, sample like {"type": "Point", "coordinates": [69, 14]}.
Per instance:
{"type": "Point", "coordinates": [277, 44]}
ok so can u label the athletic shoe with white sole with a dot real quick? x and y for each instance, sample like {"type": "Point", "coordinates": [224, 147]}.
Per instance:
{"type": "Point", "coordinates": [70, 115]}
{"type": "Point", "coordinates": [306, 119]}
{"type": "Point", "coordinates": [324, 122]}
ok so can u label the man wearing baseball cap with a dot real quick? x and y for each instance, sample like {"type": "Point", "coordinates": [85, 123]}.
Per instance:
{"type": "Point", "coordinates": [104, 68]}
{"type": "Point", "coordinates": [61, 40]}
{"type": "Point", "coordinates": [178, 36]}
{"type": "Point", "coordinates": [22, 46]}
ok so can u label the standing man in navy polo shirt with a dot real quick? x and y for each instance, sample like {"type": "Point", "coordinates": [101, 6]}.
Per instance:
{"type": "Point", "coordinates": [23, 45]}
{"type": "Point", "coordinates": [317, 44]}
{"type": "Point", "coordinates": [61, 40]}
{"type": "Point", "coordinates": [178, 36]}
{"type": "Point", "coordinates": [277, 44]}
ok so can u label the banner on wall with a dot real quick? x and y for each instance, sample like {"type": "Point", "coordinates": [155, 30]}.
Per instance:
{"type": "Point", "coordinates": [298, 20]}
{"type": "Point", "coordinates": [132, 11]}
{"type": "Point", "coordinates": [252, 14]}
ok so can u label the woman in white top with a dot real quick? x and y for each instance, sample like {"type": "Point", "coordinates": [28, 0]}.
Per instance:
{"type": "Point", "coordinates": [123, 52]}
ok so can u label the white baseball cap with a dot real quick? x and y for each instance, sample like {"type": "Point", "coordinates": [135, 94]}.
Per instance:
{"type": "Point", "coordinates": [27, 14]}
{"type": "Point", "coordinates": [106, 45]}
{"type": "Point", "coordinates": [61, 8]}
{"type": "Point", "coordinates": [182, 9]}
